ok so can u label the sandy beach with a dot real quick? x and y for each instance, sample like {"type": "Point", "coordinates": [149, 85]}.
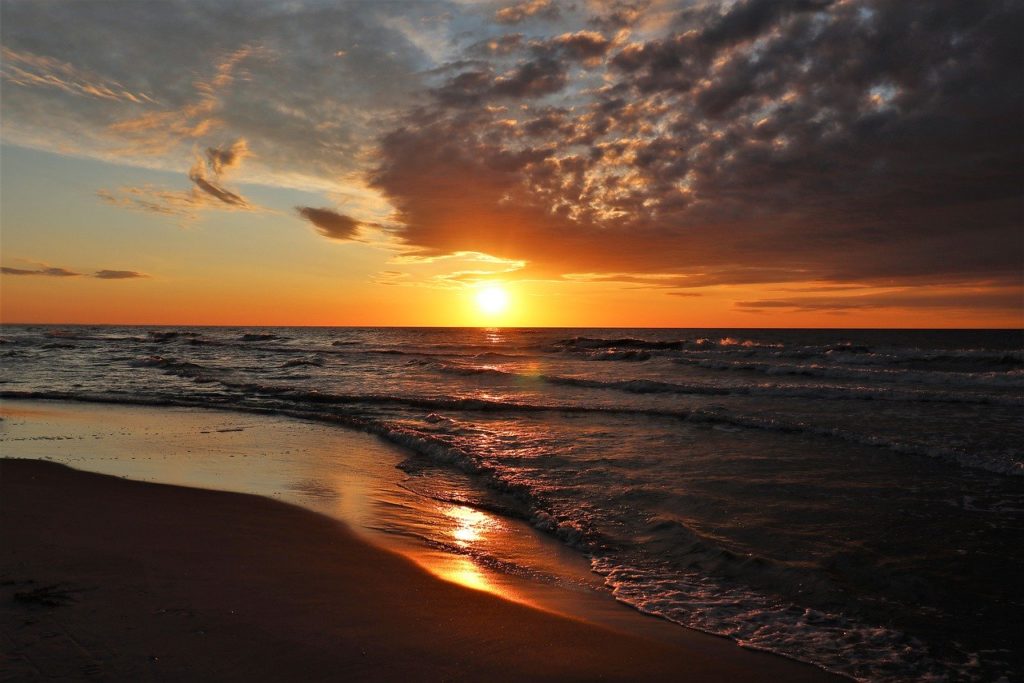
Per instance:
{"type": "Point", "coordinates": [109, 579]}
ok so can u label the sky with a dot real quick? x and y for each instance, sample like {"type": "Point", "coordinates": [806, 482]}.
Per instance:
{"type": "Point", "coordinates": [756, 163]}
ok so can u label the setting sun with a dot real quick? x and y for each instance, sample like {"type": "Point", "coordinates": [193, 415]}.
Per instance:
{"type": "Point", "coordinates": [492, 300]}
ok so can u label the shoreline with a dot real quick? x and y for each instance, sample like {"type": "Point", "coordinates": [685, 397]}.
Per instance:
{"type": "Point", "coordinates": [131, 580]}
{"type": "Point", "coordinates": [348, 475]}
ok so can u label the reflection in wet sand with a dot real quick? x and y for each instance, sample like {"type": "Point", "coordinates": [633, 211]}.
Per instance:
{"type": "Point", "coordinates": [470, 524]}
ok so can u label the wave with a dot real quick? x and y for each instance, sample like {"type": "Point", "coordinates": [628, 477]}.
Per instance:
{"type": "Point", "coordinates": [1005, 462]}
{"type": "Point", "coordinates": [692, 598]}
{"type": "Point", "coordinates": [842, 353]}
{"type": "Point", "coordinates": [1010, 379]}
{"type": "Point", "coordinates": [816, 391]}
{"type": "Point", "coordinates": [827, 639]}
{"type": "Point", "coordinates": [253, 337]}
{"type": "Point", "coordinates": [622, 342]}
{"type": "Point", "coordinates": [170, 335]}
{"type": "Point", "coordinates": [178, 368]}
{"type": "Point", "coordinates": [315, 361]}
{"type": "Point", "coordinates": [617, 354]}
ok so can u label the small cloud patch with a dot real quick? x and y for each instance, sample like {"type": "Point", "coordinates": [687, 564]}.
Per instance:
{"type": "Point", "coordinates": [330, 224]}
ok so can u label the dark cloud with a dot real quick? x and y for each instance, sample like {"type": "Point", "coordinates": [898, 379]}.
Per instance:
{"type": "Point", "coordinates": [587, 46]}
{"type": "Point", "coordinates": [119, 274]}
{"type": "Point", "coordinates": [1000, 299]}
{"type": "Point", "coordinates": [619, 15]}
{"type": "Point", "coordinates": [535, 78]}
{"type": "Point", "coordinates": [220, 159]}
{"type": "Point", "coordinates": [855, 142]}
{"type": "Point", "coordinates": [529, 80]}
{"type": "Point", "coordinates": [207, 176]}
{"type": "Point", "coordinates": [44, 271]}
{"type": "Point", "coordinates": [51, 271]}
{"type": "Point", "coordinates": [465, 89]}
{"type": "Point", "coordinates": [328, 223]}
{"type": "Point", "coordinates": [216, 191]}
{"type": "Point", "coordinates": [752, 18]}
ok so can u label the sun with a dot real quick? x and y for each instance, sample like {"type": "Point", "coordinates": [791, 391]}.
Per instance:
{"type": "Point", "coordinates": [492, 299]}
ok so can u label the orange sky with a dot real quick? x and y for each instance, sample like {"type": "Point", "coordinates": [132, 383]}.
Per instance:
{"type": "Point", "coordinates": [366, 164]}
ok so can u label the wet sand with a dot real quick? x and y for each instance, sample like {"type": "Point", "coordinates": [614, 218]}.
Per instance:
{"type": "Point", "coordinates": [104, 578]}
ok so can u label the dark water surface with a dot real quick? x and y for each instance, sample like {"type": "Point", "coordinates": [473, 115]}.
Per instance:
{"type": "Point", "coordinates": [846, 497]}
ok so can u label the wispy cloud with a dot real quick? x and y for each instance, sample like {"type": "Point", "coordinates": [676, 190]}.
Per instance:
{"type": "Point", "coordinates": [152, 200]}
{"type": "Point", "coordinates": [22, 68]}
{"type": "Point", "coordinates": [160, 131]}
{"type": "Point", "coordinates": [208, 190]}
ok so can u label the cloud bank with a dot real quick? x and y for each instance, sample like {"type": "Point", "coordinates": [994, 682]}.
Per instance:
{"type": "Point", "coordinates": [761, 141]}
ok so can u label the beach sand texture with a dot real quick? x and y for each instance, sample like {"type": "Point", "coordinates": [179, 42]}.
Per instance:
{"type": "Point", "coordinates": [109, 579]}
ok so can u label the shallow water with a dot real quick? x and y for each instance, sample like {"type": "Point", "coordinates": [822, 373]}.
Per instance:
{"type": "Point", "coordinates": [849, 498]}
{"type": "Point", "coordinates": [342, 473]}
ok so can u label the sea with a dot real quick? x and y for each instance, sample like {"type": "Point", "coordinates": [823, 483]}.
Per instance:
{"type": "Point", "coordinates": [849, 498]}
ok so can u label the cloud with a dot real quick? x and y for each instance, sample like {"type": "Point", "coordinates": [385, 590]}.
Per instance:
{"type": "Point", "coordinates": [212, 187]}
{"type": "Point", "coordinates": [22, 68]}
{"type": "Point", "coordinates": [159, 131]}
{"type": "Point", "coordinates": [588, 46]}
{"type": "Point", "coordinates": [532, 79]}
{"type": "Point", "coordinates": [500, 46]}
{"type": "Point", "coordinates": [619, 15]}
{"type": "Point", "coordinates": [220, 159]}
{"type": "Point", "coordinates": [1008, 299]}
{"type": "Point", "coordinates": [208, 190]}
{"type": "Point", "coordinates": [336, 226]}
{"type": "Point", "coordinates": [749, 143]}
{"type": "Point", "coordinates": [514, 14]}
{"type": "Point", "coordinates": [152, 200]}
{"type": "Point", "coordinates": [119, 274]}
{"type": "Point", "coordinates": [854, 143]}
{"type": "Point", "coordinates": [206, 176]}
{"type": "Point", "coordinates": [260, 70]}
{"type": "Point", "coordinates": [44, 271]}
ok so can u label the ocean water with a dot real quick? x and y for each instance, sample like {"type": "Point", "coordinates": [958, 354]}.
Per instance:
{"type": "Point", "coordinates": [850, 498]}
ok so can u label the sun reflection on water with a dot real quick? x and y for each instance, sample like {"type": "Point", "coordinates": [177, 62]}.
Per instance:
{"type": "Point", "coordinates": [494, 335]}
{"type": "Point", "coordinates": [463, 571]}
{"type": "Point", "coordinates": [470, 525]}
